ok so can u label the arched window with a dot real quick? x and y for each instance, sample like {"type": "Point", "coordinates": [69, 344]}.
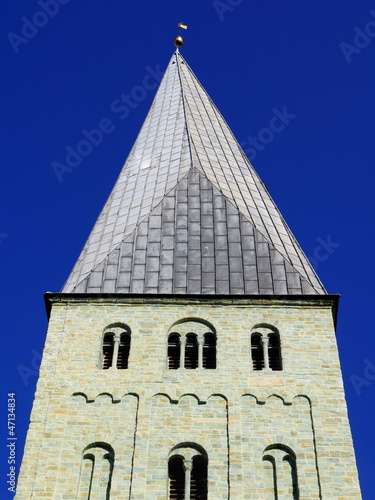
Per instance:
{"type": "Point", "coordinates": [281, 472]}
{"type": "Point", "coordinates": [174, 351]}
{"type": "Point", "coordinates": [191, 351]}
{"type": "Point", "coordinates": [198, 489]}
{"type": "Point", "coordinates": [265, 348]}
{"type": "Point", "coordinates": [176, 476]}
{"type": "Point", "coordinates": [96, 472]}
{"type": "Point", "coordinates": [116, 347]}
{"type": "Point", "coordinates": [108, 345]}
{"type": "Point", "coordinates": [187, 472]}
{"type": "Point", "coordinates": [209, 351]}
{"type": "Point", "coordinates": [274, 353]}
{"type": "Point", "coordinates": [191, 345]}
{"type": "Point", "coordinates": [123, 351]}
{"type": "Point", "coordinates": [257, 355]}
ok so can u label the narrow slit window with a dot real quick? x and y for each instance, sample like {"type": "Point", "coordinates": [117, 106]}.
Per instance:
{"type": "Point", "coordinates": [257, 352]}
{"type": "Point", "coordinates": [108, 346]}
{"type": "Point", "coordinates": [209, 351]}
{"type": "Point", "coordinates": [191, 351]}
{"type": "Point", "coordinates": [176, 475]}
{"type": "Point", "coordinates": [274, 352]}
{"type": "Point", "coordinates": [123, 352]}
{"type": "Point", "coordinates": [173, 351]}
{"type": "Point", "coordinates": [198, 484]}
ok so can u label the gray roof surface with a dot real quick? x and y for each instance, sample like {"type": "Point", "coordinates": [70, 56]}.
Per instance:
{"type": "Point", "coordinates": [188, 213]}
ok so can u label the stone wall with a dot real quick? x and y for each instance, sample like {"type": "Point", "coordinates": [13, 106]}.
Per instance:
{"type": "Point", "coordinates": [241, 418]}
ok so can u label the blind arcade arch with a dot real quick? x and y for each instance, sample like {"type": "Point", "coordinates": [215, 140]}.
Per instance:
{"type": "Point", "coordinates": [96, 472]}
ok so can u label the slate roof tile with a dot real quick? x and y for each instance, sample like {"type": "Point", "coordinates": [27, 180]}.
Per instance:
{"type": "Point", "coordinates": [188, 213]}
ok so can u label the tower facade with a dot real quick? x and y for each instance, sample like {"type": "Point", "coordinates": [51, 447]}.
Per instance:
{"type": "Point", "coordinates": [191, 353]}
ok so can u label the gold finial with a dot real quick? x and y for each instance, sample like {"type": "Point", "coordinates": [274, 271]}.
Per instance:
{"type": "Point", "coordinates": [179, 41]}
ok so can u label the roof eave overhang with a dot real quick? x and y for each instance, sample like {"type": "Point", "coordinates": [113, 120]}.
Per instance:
{"type": "Point", "coordinates": [325, 300]}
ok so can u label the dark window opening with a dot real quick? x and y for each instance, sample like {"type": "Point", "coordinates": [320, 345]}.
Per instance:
{"type": "Point", "coordinates": [173, 352]}
{"type": "Point", "coordinates": [176, 475]}
{"type": "Point", "coordinates": [198, 484]}
{"type": "Point", "coordinates": [107, 351]}
{"type": "Point", "coordinates": [257, 352]}
{"type": "Point", "coordinates": [123, 352]}
{"type": "Point", "coordinates": [274, 353]}
{"type": "Point", "coordinates": [191, 351]}
{"type": "Point", "coordinates": [209, 351]}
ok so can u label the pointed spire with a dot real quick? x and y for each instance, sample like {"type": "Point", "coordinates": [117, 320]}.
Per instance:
{"type": "Point", "coordinates": [188, 213]}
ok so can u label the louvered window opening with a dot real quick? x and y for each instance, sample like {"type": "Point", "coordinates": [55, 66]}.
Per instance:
{"type": "Point", "coordinates": [257, 352]}
{"type": "Point", "coordinates": [123, 352]}
{"type": "Point", "coordinates": [209, 351]}
{"type": "Point", "coordinates": [274, 353]}
{"type": "Point", "coordinates": [198, 485]}
{"type": "Point", "coordinates": [107, 352]}
{"type": "Point", "coordinates": [176, 479]}
{"type": "Point", "coordinates": [173, 352]}
{"type": "Point", "coordinates": [198, 479]}
{"type": "Point", "coordinates": [191, 352]}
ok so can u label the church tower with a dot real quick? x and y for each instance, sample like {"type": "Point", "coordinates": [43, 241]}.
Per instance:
{"type": "Point", "coordinates": [191, 354]}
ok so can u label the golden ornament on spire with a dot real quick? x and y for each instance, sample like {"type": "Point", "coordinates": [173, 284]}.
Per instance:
{"type": "Point", "coordinates": [179, 41]}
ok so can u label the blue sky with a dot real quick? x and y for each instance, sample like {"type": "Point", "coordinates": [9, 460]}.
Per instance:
{"type": "Point", "coordinates": [65, 66]}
